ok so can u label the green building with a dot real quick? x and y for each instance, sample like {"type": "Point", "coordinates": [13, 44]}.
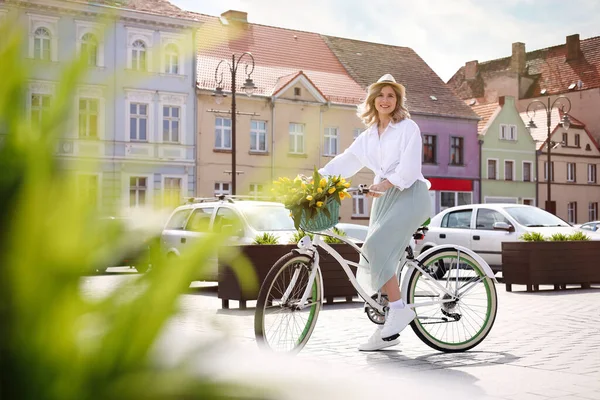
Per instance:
{"type": "Point", "coordinates": [508, 154]}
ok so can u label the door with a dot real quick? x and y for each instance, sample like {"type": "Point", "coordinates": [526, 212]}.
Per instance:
{"type": "Point", "coordinates": [455, 228]}
{"type": "Point", "coordinates": [485, 240]}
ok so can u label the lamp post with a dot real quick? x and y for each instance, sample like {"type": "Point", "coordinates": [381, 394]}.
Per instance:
{"type": "Point", "coordinates": [566, 123]}
{"type": "Point", "coordinates": [219, 95]}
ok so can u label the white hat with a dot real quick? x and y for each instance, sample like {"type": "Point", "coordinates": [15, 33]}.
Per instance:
{"type": "Point", "coordinates": [388, 79]}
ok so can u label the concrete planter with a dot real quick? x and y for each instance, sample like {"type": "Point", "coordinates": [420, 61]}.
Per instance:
{"type": "Point", "coordinates": [550, 263]}
{"type": "Point", "coordinates": [262, 257]}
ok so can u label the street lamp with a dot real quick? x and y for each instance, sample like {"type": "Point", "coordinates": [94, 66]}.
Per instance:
{"type": "Point", "coordinates": [566, 123]}
{"type": "Point", "coordinates": [219, 95]}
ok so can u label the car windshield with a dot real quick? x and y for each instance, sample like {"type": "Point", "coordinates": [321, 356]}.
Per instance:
{"type": "Point", "coordinates": [534, 217]}
{"type": "Point", "coordinates": [269, 218]}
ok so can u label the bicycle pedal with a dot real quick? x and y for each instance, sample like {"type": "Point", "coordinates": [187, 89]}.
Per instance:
{"type": "Point", "coordinates": [393, 337]}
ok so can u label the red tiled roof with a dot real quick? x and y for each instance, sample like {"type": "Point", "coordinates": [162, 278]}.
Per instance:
{"type": "Point", "coordinates": [367, 62]}
{"type": "Point", "coordinates": [485, 111]}
{"type": "Point", "coordinates": [277, 53]}
{"type": "Point", "coordinates": [548, 68]}
{"type": "Point", "coordinates": [159, 7]}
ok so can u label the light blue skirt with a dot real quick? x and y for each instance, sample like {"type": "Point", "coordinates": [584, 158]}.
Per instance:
{"type": "Point", "coordinates": [395, 217]}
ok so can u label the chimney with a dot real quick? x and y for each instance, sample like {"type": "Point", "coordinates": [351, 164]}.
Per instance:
{"type": "Point", "coordinates": [471, 69]}
{"type": "Point", "coordinates": [573, 47]}
{"type": "Point", "coordinates": [233, 16]}
{"type": "Point", "coordinates": [517, 60]}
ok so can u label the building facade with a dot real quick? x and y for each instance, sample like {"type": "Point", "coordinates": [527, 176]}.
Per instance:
{"type": "Point", "coordinates": [574, 162]}
{"type": "Point", "coordinates": [131, 135]}
{"type": "Point", "coordinates": [508, 155]}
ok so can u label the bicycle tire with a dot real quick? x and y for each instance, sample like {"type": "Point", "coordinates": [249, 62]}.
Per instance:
{"type": "Point", "coordinates": [430, 335]}
{"type": "Point", "coordinates": [271, 290]}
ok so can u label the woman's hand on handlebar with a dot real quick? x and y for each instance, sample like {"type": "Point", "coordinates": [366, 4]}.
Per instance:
{"type": "Point", "coordinates": [378, 189]}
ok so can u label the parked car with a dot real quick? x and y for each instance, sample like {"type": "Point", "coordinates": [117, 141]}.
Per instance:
{"type": "Point", "coordinates": [355, 231]}
{"type": "Point", "coordinates": [137, 241]}
{"type": "Point", "coordinates": [589, 227]}
{"type": "Point", "coordinates": [243, 220]}
{"type": "Point", "coordinates": [483, 227]}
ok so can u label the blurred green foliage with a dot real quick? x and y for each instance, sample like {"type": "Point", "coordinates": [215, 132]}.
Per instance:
{"type": "Point", "coordinates": [56, 343]}
{"type": "Point", "coordinates": [266, 238]}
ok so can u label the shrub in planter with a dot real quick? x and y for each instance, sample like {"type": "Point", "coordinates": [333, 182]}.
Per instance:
{"type": "Point", "coordinates": [532, 237]}
{"type": "Point", "coordinates": [299, 235]}
{"type": "Point", "coordinates": [333, 240]}
{"type": "Point", "coordinates": [578, 236]}
{"type": "Point", "coordinates": [266, 238]}
{"type": "Point", "coordinates": [559, 237]}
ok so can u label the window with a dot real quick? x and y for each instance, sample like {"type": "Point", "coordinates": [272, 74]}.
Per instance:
{"type": "Point", "coordinates": [172, 191]}
{"type": "Point", "coordinates": [492, 169]}
{"type": "Point", "coordinates": [591, 173]}
{"type": "Point", "coordinates": [508, 170]}
{"type": "Point", "coordinates": [171, 59]}
{"type": "Point", "coordinates": [88, 189]}
{"type": "Point", "coordinates": [451, 199]}
{"type": "Point", "coordinates": [171, 123]}
{"type": "Point", "coordinates": [89, 49]}
{"type": "Point", "coordinates": [200, 220]}
{"type": "Point", "coordinates": [486, 219]}
{"type": "Point", "coordinates": [223, 133]}
{"type": "Point", "coordinates": [456, 151]}
{"type": "Point", "coordinates": [593, 211]}
{"type": "Point", "coordinates": [138, 186]}
{"type": "Point", "coordinates": [40, 104]}
{"type": "Point", "coordinates": [458, 219]}
{"type": "Point", "coordinates": [508, 132]}
{"type": "Point", "coordinates": [565, 139]}
{"type": "Point", "coordinates": [222, 188]}
{"type": "Point", "coordinates": [546, 171]}
{"type": "Point", "coordinates": [178, 220]}
{"type": "Point", "coordinates": [258, 136]}
{"type": "Point", "coordinates": [527, 171]}
{"type": "Point", "coordinates": [429, 149]}
{"type": "Point", "coordinates": [572, 212]}
{"type": "Point", "coordinates": [41, 44]}
{"type": "Point", "coordinates": [227, 219]}
{"type": "Point", "coordinates": [577, 143]}
{"type": "Point", "coordinates": [88, 118]}
{"type": "Point", "coordinates": [359, 205]}
{"type": "Point", "coordinates": [296, 138]}
{"type": "Point", "coordinates": [357, 132]}
{"type": "Point", "coordinates": [571, 177]}
{"type": "Point", "coordinates": [528, 202]}
{"type": "Point", "coordinates": [330, 145]}
{"type": "Point", "coordinates": [138, 122]}
{"type": "Point", "coordinates": [138, 56]}
{"type": "Point", "coordinates": [256, 190]}
{"type": "Point", "coordinates": [297, 91]}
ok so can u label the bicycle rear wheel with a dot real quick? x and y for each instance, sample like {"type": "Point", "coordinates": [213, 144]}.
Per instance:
{"type": "Point", "coordinates": [280, 324]}
{"type": "Point", "coordinates": [462, 323]}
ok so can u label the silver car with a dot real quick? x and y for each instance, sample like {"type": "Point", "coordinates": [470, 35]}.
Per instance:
{"type": "Point", "coordinates": [243, 220]}
{"type": "Point", "coordinates": [483, 227]}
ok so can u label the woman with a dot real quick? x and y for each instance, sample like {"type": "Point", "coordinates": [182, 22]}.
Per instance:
{"type": "Point", "coordinates": [391, 147]}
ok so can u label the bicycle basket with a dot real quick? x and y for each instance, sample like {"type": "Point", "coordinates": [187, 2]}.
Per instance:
{"type": "Point", "coordinates": [321, 221]}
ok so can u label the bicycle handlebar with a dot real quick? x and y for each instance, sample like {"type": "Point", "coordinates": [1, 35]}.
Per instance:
{"type": "Point", "coordinates": [362, 189]}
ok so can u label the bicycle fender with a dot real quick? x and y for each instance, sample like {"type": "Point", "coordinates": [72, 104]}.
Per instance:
{"type": "Point", "coordinates": [486, 268]}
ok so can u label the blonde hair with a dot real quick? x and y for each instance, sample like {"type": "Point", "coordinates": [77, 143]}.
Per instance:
{"type": "Point", "coordinates": [367, 111]}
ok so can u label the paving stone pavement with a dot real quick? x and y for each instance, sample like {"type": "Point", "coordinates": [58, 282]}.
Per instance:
{"type": "Point", "coordinates": [544, 345]}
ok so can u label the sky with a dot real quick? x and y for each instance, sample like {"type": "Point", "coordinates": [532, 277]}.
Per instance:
{"type": "Point", "coordinates": [445, 33]}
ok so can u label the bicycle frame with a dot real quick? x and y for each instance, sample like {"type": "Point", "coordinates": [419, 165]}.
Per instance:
{"type": "Point", "coordinates": [310, 248]}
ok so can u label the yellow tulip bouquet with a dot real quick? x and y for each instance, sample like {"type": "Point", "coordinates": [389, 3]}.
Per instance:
{"type": "Point", "coordinates": [314, 202]}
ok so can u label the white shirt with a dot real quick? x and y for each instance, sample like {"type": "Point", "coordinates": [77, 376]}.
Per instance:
{"type": "Point", "coordinates": [394, 155]}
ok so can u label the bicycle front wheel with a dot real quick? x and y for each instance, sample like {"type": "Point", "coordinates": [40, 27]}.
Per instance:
{"type": "Point", "coordinates": [281, 323]}
{"type": "Point", "coordinates": [460, 317]}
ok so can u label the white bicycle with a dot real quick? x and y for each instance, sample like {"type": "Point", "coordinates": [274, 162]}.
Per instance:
{"type": "Point", "coordinates": [451, 289]}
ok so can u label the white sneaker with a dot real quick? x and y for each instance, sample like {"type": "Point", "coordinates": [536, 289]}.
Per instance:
{"type": "Point", "coordinates": [375, 342]}
{"type": "Point", "coordinates": [396, 320]}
